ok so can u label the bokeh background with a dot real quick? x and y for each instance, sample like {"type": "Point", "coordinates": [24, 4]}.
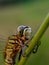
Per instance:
{"type": "Point", "coordinates": [24, 12]}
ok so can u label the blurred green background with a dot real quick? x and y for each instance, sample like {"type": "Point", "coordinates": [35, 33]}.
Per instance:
{"type": "Point", "coordinates": [25, 12]}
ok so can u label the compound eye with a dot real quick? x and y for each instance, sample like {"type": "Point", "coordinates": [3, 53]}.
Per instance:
{"type": "Point", "coordinates": [20, 30]}
{"type": "Point", "coordinates": [27, 32]}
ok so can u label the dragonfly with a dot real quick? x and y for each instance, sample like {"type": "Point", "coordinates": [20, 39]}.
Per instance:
{"type": "Point", "coordinates": [22, 48]}
{"type": "Point", "coordinates": [3, 41]}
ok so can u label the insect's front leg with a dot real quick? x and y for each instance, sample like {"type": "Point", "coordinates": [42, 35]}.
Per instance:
{"type": "Point", "coordinates": [21, 53]}
{"type": "Point", "coordinates": [35, 49]}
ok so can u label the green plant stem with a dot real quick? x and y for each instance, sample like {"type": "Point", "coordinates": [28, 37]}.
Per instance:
{"type": "Point", "coordinates": [36, 38]}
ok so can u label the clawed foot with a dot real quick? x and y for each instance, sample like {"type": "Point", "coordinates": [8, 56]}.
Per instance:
{"type": "Point", "coordinates": [35, 49]}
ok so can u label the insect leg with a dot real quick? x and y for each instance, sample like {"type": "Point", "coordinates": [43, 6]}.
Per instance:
{"type": "Point", "coordinates": [36, 47]}
{"type": "Point", "coordinates": [20, 54]}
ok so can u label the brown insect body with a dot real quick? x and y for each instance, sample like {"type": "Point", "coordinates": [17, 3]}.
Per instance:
{"type": "Point", "coordinates": [13, 47]}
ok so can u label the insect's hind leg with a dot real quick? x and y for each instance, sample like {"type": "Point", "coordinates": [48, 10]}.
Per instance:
{"type": "Point", "coordinates": [20, 54]}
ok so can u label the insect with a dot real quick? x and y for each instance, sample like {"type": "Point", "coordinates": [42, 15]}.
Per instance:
{"type": "Point", "coordinates": [16, 43]}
